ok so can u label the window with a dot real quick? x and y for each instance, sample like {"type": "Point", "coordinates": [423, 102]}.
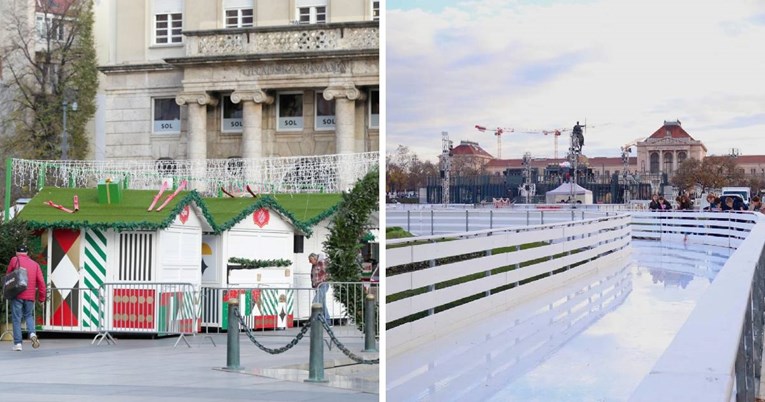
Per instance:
{"type": "Point", "coordinates": [374, 108]}
{"type": "Point", "coordinates": [290, 112]}
{"type": "Point", "coordinates": [167, 116]}
{"type": "Point", "coordinates": [753, 171]}
{"type": "Point", "coordinates": [239, 18]}
{"type": "Point", "coordinates": [325, 113]}
{"type": "Point", "coordinates": [49, 26]}
{"type": "Point", "coordinates": [232, 116]}
{"type": "Point", "coordinates": [168, 28]}
{"type": "Point", "coordinates": [312, 15]}
{"type": "Point", "coordinates": [376, 10]}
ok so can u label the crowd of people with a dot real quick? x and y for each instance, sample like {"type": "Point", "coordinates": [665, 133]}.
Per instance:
{"type": "Point", "coordinates": [684, 202]}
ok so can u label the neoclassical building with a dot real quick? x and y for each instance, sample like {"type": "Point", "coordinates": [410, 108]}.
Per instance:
{"type": "Point", "coordinates": [661, 152]}
{"type": "Point", "coordinates": [216, 79]}
{"type": "Point", "coordinates": [665, 149]}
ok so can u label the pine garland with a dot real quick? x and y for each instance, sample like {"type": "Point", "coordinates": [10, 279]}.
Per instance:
{"type": "Point", "coordinates": [346, 232]}
{"type": "Point", "coordinates": [254, 264]}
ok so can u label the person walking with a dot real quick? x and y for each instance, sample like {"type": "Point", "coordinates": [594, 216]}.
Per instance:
{"type": "Point", "coordinates": [319, 278]}
{"type": "Point", "coordinates": [22, 306]}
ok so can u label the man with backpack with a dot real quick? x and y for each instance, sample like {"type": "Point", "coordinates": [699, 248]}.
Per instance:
{"type": "Point", "coordinates": [24, 303]}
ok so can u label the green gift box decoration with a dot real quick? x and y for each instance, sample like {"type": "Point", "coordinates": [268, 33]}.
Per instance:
{"type": "Point", "coordinates": [109, 192]}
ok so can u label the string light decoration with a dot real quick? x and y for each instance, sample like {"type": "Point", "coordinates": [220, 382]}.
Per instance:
{"type": "Point", "coordinates": [304, 174]}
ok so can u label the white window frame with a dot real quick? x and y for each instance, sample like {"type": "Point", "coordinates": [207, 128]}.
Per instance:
{"type": "Point", "coordinates": [240, 11]}
{"type": "Point", "coordinates": [174, 126]}
{"type": "Point", "coordinates": [231, 125]}
{"type": "Point", "coordinates": [323, 122]}
{"type": "Point", "coordinates": [375, 10]}
{"type": "Point", "coordinates": [299, 120]}
{"type": "Point", "coordinates": [374, 122]}
{"type": "Point", "coordinates": [167, 32]}
{"type": "Point", "coordinates": [45, 21]}
{"type": "Point", "coordinates": [313, 14]}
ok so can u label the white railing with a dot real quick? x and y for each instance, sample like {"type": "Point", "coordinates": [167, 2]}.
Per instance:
{"type": "Point", "coordinates": [716, 355]}
{"type": "Point", "coordinates": [497, 268]}
{"type": "Point", "coordinates": [422, 222]}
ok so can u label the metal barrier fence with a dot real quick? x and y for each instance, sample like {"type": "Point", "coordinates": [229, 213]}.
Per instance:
{"type": "Point", "coordinates": [272, 308]}
{"type": "Point", "coordinates": [148, 308]}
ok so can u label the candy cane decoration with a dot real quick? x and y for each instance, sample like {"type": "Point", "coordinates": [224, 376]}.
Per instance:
{"type": "Point", "coordinates": [249, 190]}
{"type": "Point", "coordinates": [76, 201]}
{"type": "Point", "coordinates": [156, 197]}
{"type": "Point", "coordinates": [227, 193]}
{"type": "Point", "coordinates": [57, 206]}
{"type": "Point", "coordinates": [171, 196]}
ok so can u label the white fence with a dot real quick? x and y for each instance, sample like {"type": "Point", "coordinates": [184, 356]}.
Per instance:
{"type": "Point", "coordinates": [716, 355]}
{"type": "Point", "coordinates": [422, 222]}
{"type": "Point", "coordinates": [498, 269]}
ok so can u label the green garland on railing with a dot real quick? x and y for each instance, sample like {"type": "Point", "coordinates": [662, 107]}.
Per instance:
{"type": "Point", "coordinates": [270, 202]}
{"type": "Point", "coordinates": [254, 264]}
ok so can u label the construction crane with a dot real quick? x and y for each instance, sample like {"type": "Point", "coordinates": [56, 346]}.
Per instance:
{"type": "Point", "coordinates": [626, 150]}
{"type": "Point", "coordinates": [497, 132]}
{"type": "Point", "coordinates": [501, 130]}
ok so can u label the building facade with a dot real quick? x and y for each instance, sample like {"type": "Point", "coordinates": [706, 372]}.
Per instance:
{"type": "Point", "coordinates": [217, 79]}
{"type": "Point", "coordinates": [667, 148]}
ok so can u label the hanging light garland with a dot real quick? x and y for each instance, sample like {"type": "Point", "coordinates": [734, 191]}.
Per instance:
{"type": "Point", "coordinates": [324, 173]}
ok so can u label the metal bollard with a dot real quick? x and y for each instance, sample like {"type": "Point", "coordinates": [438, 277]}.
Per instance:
{"type": "Point", "coordinates": [232, 347]}
{"type": "Point", "coordinates": [316, 358]}
{"type": "Point", "coordinates": [369, 325]}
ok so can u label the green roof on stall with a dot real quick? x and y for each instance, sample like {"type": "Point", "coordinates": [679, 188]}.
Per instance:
{"type": "Point", "coordinates": [301, 210]}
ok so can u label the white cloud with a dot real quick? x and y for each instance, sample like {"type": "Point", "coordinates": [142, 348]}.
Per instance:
{"type": "Point", "coordinates": [624, 66]}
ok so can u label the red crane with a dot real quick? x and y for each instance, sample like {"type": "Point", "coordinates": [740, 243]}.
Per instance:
{"type": "Point", "coordinates": [500, 130]}
{"type": "Point", "coordinates": [497, 132]}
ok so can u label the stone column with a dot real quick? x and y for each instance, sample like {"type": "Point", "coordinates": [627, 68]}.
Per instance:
{"type": "Point", "coordinates": [252, 120]}
{"type": "Point", "coordinates": [197, 135]}
{"type": "Point", "coordinates": [345, 96]}
{"type": "Point", "coordinates": [661, 161]}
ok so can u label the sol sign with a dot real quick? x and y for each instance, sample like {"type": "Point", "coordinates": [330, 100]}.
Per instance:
{"type": "Point", "coordinates": [261, 217]}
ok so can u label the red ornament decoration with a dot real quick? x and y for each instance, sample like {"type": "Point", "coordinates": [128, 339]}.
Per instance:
{"type": "Point", "coordinates": [261, 217]}
{"type": "Point", "coordinates": [184, 215]}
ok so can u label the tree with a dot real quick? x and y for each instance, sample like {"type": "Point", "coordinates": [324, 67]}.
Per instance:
{"type": "Point", "coordinates": [713, 172]}
{"type": "Point", "coordinates": [50, 59]}
{"type": "Point", "coordinates": [688, 175]}
{"type": "Point", "coordinates": [405, 171]}
{"type": "Point", "coordinates": [342, 247]}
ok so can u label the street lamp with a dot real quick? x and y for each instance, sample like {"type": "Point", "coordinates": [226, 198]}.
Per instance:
{"type": "Point", "coordinates": [64, 141]}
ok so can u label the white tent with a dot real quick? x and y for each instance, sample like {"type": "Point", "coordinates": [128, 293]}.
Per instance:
{"type": "Point", "coordinates": [564, 193]}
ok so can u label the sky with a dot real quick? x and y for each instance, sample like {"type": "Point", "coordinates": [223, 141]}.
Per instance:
{"type": "Point", "coordinates": [622, 66]}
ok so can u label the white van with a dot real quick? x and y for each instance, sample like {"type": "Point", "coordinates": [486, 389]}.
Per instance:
{"type": "Point", "coordinates": [743, 192]}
